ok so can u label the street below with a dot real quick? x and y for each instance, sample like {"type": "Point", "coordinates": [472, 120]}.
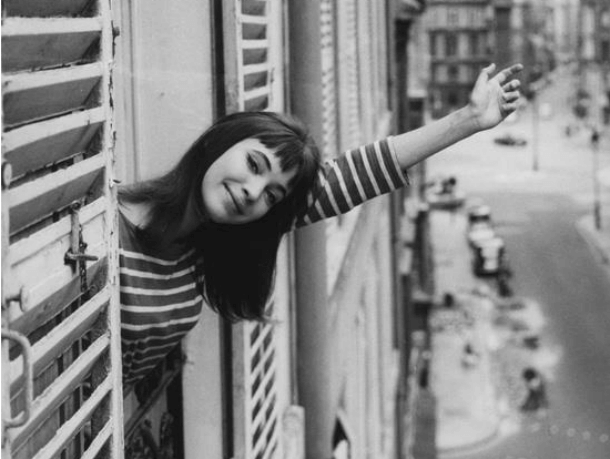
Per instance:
{"type": "Point", "coordinates": [541, 196]}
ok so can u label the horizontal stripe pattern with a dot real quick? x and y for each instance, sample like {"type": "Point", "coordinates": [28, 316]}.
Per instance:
{"type": "Point", "coordinates": [354, 177]}
{"type": "Point", "coordinates": [160, 303]}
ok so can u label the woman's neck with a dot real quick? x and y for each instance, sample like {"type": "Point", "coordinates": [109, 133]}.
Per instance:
{"type": "Point", "coordinates": [136, 212]}
{"type": "Point", "coordinates": [192, 218]}
{"type": "Point", "coordinates": [139, 213]}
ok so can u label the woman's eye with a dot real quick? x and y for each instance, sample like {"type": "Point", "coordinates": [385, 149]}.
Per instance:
{"type": "Point", "coordinates": [252, 164]}
{"type": "Point", "coordinates": [271, 198]}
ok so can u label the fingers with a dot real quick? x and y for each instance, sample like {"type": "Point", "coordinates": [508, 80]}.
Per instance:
{"type": "Point", "coordinates": [489, 69]}
{"type": "Point", "coordinates": [508, 73]}
{"type": "Point", "coordinates": [507, 109]}
{"type": "Point", "coordinates": [512, 85]}
{"type": "Point", "coordinates": [510, 96]}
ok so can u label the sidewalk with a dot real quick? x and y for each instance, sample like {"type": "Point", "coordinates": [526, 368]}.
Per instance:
{"type": "Point", "coordinates": [467, 409]}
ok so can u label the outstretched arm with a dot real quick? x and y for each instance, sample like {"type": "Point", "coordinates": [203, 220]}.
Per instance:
{"type": "Point", "coordinates": [493, 98]}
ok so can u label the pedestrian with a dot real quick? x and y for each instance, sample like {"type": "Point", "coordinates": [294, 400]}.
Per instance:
{"type": "Point", "coordinates": [470, 357]}
{"type": "Point", "coordinates": [536, 399]}
{"type": "Point", "coordinates": [594, 137]}
{"type": "Point", "coordinates": [209, 229]}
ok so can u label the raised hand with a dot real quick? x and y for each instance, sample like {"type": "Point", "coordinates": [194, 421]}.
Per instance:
{"type": "Point", "coordinates": [494, 98]}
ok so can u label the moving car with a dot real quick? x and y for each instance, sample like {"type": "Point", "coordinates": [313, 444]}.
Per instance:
{"type": "Point", "coordinates": [510, 140]}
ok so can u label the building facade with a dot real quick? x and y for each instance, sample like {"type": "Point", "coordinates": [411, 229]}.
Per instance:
{"type": "Point", "coordinates": [594, 56]}
{"type": "Point", "coordinates": [97, 93]}
{"type": "Point", "coordinates": [459, 34]}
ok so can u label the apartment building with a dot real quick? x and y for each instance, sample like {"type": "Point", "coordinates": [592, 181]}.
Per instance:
{"type": "Point", "coordinates": [460, 45]}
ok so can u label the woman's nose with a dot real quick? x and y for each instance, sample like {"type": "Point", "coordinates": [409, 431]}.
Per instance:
{"type": "Point", "coordinates": [254, 188]}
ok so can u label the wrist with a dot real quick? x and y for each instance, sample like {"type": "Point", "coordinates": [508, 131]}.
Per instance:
{"type": "Point", "coordinates": [468, 119]}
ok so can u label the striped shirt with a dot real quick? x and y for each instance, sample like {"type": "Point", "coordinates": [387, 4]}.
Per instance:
{"type": "Point", "coordinates": [160, 301]}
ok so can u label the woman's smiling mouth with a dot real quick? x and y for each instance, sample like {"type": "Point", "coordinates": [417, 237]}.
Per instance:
{"type": "Point", "coordinates": [236, 204]}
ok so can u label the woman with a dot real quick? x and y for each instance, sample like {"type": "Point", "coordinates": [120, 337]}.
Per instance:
{"type": "Point", "coordinates": [210, 228]}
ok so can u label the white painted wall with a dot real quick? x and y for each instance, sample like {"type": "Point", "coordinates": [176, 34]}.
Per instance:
{"type": "Point", "coordinates": [164, 73]}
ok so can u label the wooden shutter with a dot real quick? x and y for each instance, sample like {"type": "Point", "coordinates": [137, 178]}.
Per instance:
{"type": "Point", "coordinates": [59, 240]}
{"type": "Point", "coordinates": [254, 81]}
{"type": "Point", "coordinates": [253, 55]}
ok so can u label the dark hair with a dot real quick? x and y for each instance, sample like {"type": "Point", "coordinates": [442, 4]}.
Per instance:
{"type": "Point", "coordinates": [237, 262]}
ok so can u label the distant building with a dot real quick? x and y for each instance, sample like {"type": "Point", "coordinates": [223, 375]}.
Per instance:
{"type": "Point", "coordinates": [459, 41]}
{"type": "Point", "coordinates": [594, 51]}
{"type": "Point", "coordinates": [595, 28]}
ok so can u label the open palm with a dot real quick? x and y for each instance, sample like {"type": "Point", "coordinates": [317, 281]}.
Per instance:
{"type": "Point", "coordinates": [494, 98]}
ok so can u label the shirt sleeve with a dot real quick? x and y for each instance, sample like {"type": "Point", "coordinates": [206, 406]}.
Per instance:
{"type": "Point", "coordinates": [354, 177]}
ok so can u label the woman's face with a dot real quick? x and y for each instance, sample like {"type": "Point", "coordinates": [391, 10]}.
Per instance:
{"type": "Point", "coordinates": [244, 183]}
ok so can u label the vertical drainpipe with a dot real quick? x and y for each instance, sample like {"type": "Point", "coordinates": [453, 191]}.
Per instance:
{"type": "Point", "coordinates": [312, 314]}
{"type": "Point", "coordinates": [401, 34]}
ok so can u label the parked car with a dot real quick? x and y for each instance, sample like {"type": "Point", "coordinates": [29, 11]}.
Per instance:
{"type": "Point", "coordinates": [487, 256]}
{"type": "Point", "coordinates": [480, 232]}
{"type": "Point", "coordinates": [444, 194]}
{"type": "Point", "coordinates": [479, 213]}
{"type": "Point", "coordinates": [510, 140]}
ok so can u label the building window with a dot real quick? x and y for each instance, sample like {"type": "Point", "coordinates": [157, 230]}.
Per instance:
{"type": "Point", "coordinates": [451, 44]}
{"type": "Point", "coordinates": [452, 73]}
{"type": "Point", "coordinates": [433, 50]}
{"type": "Point", "coordinates": [453, 17]}
{"type": "Point", "coordinates": [452, 99]}
{"type": "Point", "coordinates": [605, 18]}
{"type": "Point", "coordinates": [605, 51]}
{"type": "Point", "coordinates": [473, 41]}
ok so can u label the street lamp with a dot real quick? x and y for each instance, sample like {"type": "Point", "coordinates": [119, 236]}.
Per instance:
{"type": "Point", "coordinates": [535, 88]}
{"type": "Point", "coordinates": [596, 186]}
{"type": "Point", "coordinates": [535, 129]}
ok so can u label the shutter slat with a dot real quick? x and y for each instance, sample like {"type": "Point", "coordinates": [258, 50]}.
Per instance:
{"type": "Point", "coordinates": [100, 440]}
{"type": "Point", "coordinates": [35, 95]}
{"type": "Point", "coordinates": [52, 295]}
{"type": "Point", "coordinates": [28, 247]}
{"type": "Point", "coordinates": [42, 273]}
{"type": "Point", "coordinates": [34, 146]}
{"type": "Point", "coordinates": [260, 417]}
{"type": "Point", "coordinates": [36, 200]}
{"type": "Point", "coordinates": [262, 445]}
{"type": "Point", "coordinates": [256, 68]}
{"type": "Point", "coordinates": [260, 391]}
{"type": "Point", "coordinates": [71, 427]}
{"type": "Point", "coordinates": [58, 339]}
{"type": "Point", "coordinates": [255, 44]}
{"type": "Point", "coordinates": [252, 19]}
{"type": "Point", "coordinates": [45, 8]}
{"type": "Point", "coordinates": [274, 440]}
{"type": "Point", "coordinates": [260, 366]}
{"type": "Point", "coordinates": [257, 92]}
{"type": "Point", "coordinates": [63, 386]}
{"type": "Point", "coordinates": [40, 43]}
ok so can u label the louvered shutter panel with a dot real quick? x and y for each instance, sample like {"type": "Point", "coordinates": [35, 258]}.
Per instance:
{"type": "Point", "coordinates": [60, 228]}
{"type": "Point", "coordinates": [253, 54]}
{"type": "Point", "coordinates": [329, 102]}
{"type": "Point", "coordinates": [253, 78]}
{"type": "Point", "coordinates": [348, 87]}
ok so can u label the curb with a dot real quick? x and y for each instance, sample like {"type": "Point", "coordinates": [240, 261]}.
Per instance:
{"type": "Point", "coordinates": [599, 250]}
